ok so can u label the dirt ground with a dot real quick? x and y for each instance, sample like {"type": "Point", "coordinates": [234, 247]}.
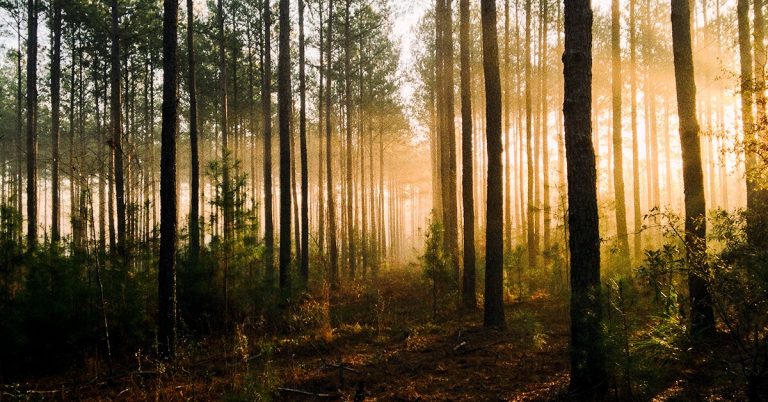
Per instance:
{"type": "Point", "coordinates": [385, 345]}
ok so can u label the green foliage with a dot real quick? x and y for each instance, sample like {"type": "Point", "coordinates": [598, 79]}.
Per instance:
{"type": "Point", "coordinates": [739, 287]}
{"type": "Point", "coordinates": [646, 338]}
{"type": "Point", "coordinates": [515, 262]}
{"type": "Point", "coordinates": [434, 259]}
{"type": "Point", "coordinates": [534, 334]}
{"type": "Point", "coordinates": [48, 308]}
{"type": "Point", "coordinates": [237, 261]}
{"type": "Point", "coordinates": [435, 264]}
{"type": "Point", "coordinates": [649, 333]}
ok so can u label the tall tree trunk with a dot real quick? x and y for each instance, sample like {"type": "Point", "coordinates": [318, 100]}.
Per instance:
{"type": "Point", "coordinates": [530, 230]}
{"type": "Point", "coordinates": [225, 155]}
{"type": "Point", "coordinates": [757, 220]}
{"type": "Point", "coordinates": [252, 118]}
{"type": "Point", "coordinates": [304, 263]}
{"type": "Point", "coordinates": [446, 133]}
{"type": "Point", "coordinates": [117, 125]}
{"type": "Point", "coordinates": [451, 209]}
{"type": "Point", "coordinates": [760, 55]}
{"type": "Point", "coordinates": [55, 120]}
{"type": "Point", "coordinates": [537, 140]}
{"type": "Point", "coordinates": [295, 215]}
{"type": "Point", "coordinates": [348, 147]}
{"type": "Point", "coordinates": [374, 245]}
{"type": "Point", "coordinates": [332, 239]}
{"type": "Point", "coordinates": [747, 113]}
{"type": "Point", "coordinates": [494, 240]}
{"type": "Point", "coordinates": [194, 197]}
{"type": "Point", "coordinates": [702, 316]}
{"type": "Point", "coordinates": [110, 180]}
{"type": "Point", "coordinates": [652, 172]}
{"type": "Point", "coordinates": [520, 96]}
{"type": "Point", "coordinates": [321, 115]}
{"type": "Point", "coordinates": [266, 111]}
{"type": "Point", "coordinates": [18, 139]}
{"type": "Point", "coordinates": [382, 226]}
{"type": "Point", "coordinates": [507, 152]}
{"type": "Point", "coordinates": [364, 244]}
{"type": "Point", "coordinates": [468, 283]}
{"type": "Point", "coordinates": [588, 371]}
{"type": "Point", "coordinates": [618, 160]}
{"type": "Point", "coordinates": [166, 334]}
{"type": "Point", "coordinates": [284, 120]}
{"type": "Point", "coordinates": [545, 128]}
{"type": "Point", "coordinates": [101, 151]}
{"type": "Point", "coordinates": [31, 124]}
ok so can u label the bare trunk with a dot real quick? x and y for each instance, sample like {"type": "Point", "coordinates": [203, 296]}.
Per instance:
{"type": "Point", "coordinates": [304, 263]}
{"type": "Point", "coordinates": [55, 120]}
{"type": "Point", "coordinates": [494, 241]}
{"type": "Point", "coordinates": [166, 334]}
{"type": "Point", "coordinates": [194, 197]}
{"type": "Point", "coordinates": [284, 120]}
{"type": "Point", "coordinates": [469, 296]}
{"type": "Point", "coordinates": [702, 316]}
{"type": "Point", "coordinates": [588, 371]}
{"type": "Point", "coordinates": [618, 160]}
{"type": "Point", "coordinates": [31, 124]}
{"type": "Point", "coordinates": [117, 125]}
{"type": "Point", "coordinates": [266, 111]}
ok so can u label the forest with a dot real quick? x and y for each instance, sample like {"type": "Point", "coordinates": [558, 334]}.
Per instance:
{"type": "Point", "coordinates": [246, 200]}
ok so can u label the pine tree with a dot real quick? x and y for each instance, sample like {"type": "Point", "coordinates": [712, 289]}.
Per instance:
{"type": "Point", "coordinates": [166, 334]}
{"type": "Point", "coordinates": [702, 316]}
{"type": "Point", "coordinates": [469, 295]}
{"type": "Point", "coordinates": [588, 370]}
{"type": "Point", "coordinates": [494, 238]}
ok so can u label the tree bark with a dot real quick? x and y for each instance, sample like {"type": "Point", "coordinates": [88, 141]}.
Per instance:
{"type": "Point", "coordinates": [18, 139]}
{"type": "Point", "coordinates": [530, 230]}
{"type": "Point", "coordinates": [304, 263]}
{"type": "Point", "coordinates": [702, 316]}
{"type": "Point", "coordinates": [446, 131]}
{"type": "Point", "coordinates": [348, 147]}
{"type": "Point", "coordinates": [757, 219]}
{"type": "Point", "coordinates": [55, 120]}
{"type": "Point", "coordinates": [31, 124]}
{"type": "Point", "coordinates": [618, 152]}
{"type": "Point", "coordinates": [469, 294]}
{"type": "Point", "coordinates": [507, 152]}
{"type": "Point", "coordinates": [194, 197]}
{"type": "Point", "coordinates": [284, 121]}
{"type": "Point", "coordinates": [588, 371]}
{"type": "Point", "coordinates": [652, 172]}
{"type": "Point", "coordinates": [332, 240]}
{"type": "Point", "coordinates": [167, 260]}
{"type": "Point", "coordinates": [266, 110]}
{"type": "Point", "coordinates": [117, 125]}
{"type": "Point", "coordinates": [320, 115]}
{"type": "Point", "coordinates": [494, 240]}
{"type": "Point", "coordinates": [747, 96]}
{"type": "Point", "coordinates": [225, 155]}
{"type": "Point", "coordinates": [545, 130]}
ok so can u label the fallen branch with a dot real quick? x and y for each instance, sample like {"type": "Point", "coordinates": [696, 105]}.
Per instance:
{"type": "Point", "coordinates": [308, 393]}
{"type": "Point", "coordinates": [341, 367]}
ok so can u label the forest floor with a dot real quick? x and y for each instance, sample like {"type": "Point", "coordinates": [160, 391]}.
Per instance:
{"type": "Point", "coordinates": [388, 344]}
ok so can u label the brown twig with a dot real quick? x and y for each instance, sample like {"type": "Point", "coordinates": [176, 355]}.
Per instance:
{"type": "Point", "coordinates": [308, 393]}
